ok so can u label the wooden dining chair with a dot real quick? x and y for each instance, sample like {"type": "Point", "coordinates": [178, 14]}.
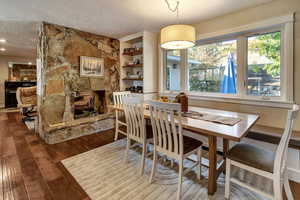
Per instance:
{"type": "Point", "coordinates": [166, 120]}
{"type": "Point", "coordinates": [271, 165]}
{"type": "Point", "coordinates": [136, 126]}
{"type": "Point", "coordinates": [118, 98]}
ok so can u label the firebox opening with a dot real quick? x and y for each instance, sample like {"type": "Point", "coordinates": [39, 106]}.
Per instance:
{"type": "Point", "coordinates": [89, 103]}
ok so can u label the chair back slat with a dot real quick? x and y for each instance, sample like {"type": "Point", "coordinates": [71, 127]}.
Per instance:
{"type": "Point", "coordinates": [175, 137]}
{"type": "Point", "coordinates": [282, 149]}
{"type": "Point", "coordinates": [134, 113]}
{"type": "Point", "coordinates": [162, 121]}
{"type": "Point", "coordinates": [159, 129]}
{"type": "Point", "coordinates": [119, 96]}
{"type": "Point", "coordinates": [167, 132]}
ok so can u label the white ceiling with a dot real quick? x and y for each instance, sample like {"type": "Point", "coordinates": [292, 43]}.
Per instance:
{"type": "Point", "coordinates": [21, 38]}
{"type": "Point", "coordinates": [115, 18]}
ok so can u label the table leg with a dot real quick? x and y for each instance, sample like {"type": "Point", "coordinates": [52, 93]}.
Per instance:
{"type": "Point", "coordinates": [225, 147]}
{"type": "Point", "coordinates": [225, 150]}
{"type": "Point", "coordinates": [212, 155]}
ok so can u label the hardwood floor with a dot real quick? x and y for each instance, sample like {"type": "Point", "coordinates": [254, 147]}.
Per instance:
{"type": "Point", "coordinates": [31, 169]}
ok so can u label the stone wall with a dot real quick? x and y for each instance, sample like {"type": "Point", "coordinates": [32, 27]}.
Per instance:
{"type": "Point", "coordinates": [59, 52]}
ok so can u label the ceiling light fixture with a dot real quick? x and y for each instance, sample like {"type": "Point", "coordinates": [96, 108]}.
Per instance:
{"type": "Point", "coordinates": [2, 40]}
{"type": "Point", "coordinates": [2, 49]}
{"type": "Point", "coordinates": [178, 36]}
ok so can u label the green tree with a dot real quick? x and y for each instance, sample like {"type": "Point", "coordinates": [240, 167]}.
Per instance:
{"type": "Point", "coordinates": [268, 45]}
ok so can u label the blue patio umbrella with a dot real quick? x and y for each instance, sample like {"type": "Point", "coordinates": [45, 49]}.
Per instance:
{"type": "Point", "coordinates": [228, 84]}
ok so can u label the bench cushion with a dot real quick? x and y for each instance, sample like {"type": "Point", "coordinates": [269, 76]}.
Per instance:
{"type": "Point", "coordinates": [252, 156]}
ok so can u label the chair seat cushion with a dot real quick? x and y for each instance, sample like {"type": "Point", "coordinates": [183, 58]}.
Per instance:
{"type": "Point", "coordinates": [190, 144]}
{"type": "Point", "coordinates": [252, 156]}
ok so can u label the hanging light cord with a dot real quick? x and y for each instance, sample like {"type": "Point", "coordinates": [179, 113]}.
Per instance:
{"type": "Point", "coordinates": [176, 9]}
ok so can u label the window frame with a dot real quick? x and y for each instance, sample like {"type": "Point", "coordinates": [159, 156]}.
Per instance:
{"type": "Point", "coordinates": [283, 74]}
{"type": "Point", "coordinates": [284, 24]}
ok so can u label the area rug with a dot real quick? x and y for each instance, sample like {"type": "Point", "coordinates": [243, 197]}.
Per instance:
{"type": "Point", "coordinates": [30, 124]}
{"type": "Point", "coordinates": [103, 174]}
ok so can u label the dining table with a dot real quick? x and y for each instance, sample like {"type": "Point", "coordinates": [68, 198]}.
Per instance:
{"type": "Point", "coordinates": [212, 131]}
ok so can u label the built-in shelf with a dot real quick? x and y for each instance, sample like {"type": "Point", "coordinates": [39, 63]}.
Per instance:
{"type": "Point", "coordinates": [139, 48]}
{"type": "Point", "coordinates": [133, 79]}
{"type": "Point", "coordinates": [133, 54]}
{"type": "Point", "coordinates": [136, 65]}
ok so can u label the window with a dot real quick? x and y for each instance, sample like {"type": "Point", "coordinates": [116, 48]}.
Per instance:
{"type": "Point", "coordinates": [252, 64]}
{"type": "Point", "coordinates": [211, 67]}
{"type": "Point", "coordinates": [173, 62]}
{"type": "Point", "coordinates": [263, 64]}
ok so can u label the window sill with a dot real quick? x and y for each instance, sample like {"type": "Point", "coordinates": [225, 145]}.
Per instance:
{"type": "Point", "coordinates": [236, 100]}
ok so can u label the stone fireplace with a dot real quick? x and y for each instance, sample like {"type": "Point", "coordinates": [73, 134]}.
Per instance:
{"type": "Point", "coordinates": [71, 105]}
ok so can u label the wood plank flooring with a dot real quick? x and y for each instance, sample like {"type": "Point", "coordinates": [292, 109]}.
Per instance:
{"type": "Point", "coordinates": [31, 169]}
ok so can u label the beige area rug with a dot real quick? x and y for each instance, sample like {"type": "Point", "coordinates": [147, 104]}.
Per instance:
{"type": "Point", "coordinates": [103, 174]}
{"type": "Point", "coordinates": [30, 124]}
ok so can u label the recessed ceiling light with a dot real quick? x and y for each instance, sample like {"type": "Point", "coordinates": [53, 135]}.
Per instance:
{"type": "Point", "coordinates": [30, 63]}
{"type": "Point", "coordinates": [2, 49]}
{"type": "Point", "coordinates": [2, 40]}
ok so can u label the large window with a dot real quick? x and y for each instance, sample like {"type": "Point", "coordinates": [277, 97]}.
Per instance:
{"type": "Point", "coordinates": [212, 67]}
{"type": "Point", "coordinates": [249, 65]}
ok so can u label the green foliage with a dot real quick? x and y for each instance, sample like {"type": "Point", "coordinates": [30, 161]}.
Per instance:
{"type": "Point", "coordinates": [204, 86]}
{"type": "Point", "coordinates": [269, 45]}
{"type": "Point", "coordinates": [256, 69]}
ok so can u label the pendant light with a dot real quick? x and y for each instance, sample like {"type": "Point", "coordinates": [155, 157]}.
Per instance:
{"type": "Point", "coordinates": [178, 36]}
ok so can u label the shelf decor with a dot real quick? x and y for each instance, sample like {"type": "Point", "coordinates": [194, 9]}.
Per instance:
{"type": "Point", "coordinates": [91, 66]}
{"type": "Point", "coordinates": [133, 51]}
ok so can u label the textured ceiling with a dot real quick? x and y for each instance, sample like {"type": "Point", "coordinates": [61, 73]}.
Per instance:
{"type": "Point", "coordinates": [113, 18]}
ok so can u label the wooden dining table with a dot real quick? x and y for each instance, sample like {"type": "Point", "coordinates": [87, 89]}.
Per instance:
{"type": "Point", "coordinates": [213, 130]}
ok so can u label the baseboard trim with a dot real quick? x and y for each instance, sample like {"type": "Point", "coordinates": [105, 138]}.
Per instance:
{"type": "Point", "coordinates": [294, 174]}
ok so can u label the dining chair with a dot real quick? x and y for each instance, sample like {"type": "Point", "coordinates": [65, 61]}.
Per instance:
{"type": "Point", "coordinates": [120, 117]}
{"type": "Point", "coordinates": [271, 165]}
{"type": "Point", "coordinates": [136, 126]}
{"type": "Point", "coordinates": [166, 120]}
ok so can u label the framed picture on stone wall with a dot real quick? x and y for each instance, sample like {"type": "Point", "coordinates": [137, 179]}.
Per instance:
{"type": "Point", "coordinates": [91, 66]}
